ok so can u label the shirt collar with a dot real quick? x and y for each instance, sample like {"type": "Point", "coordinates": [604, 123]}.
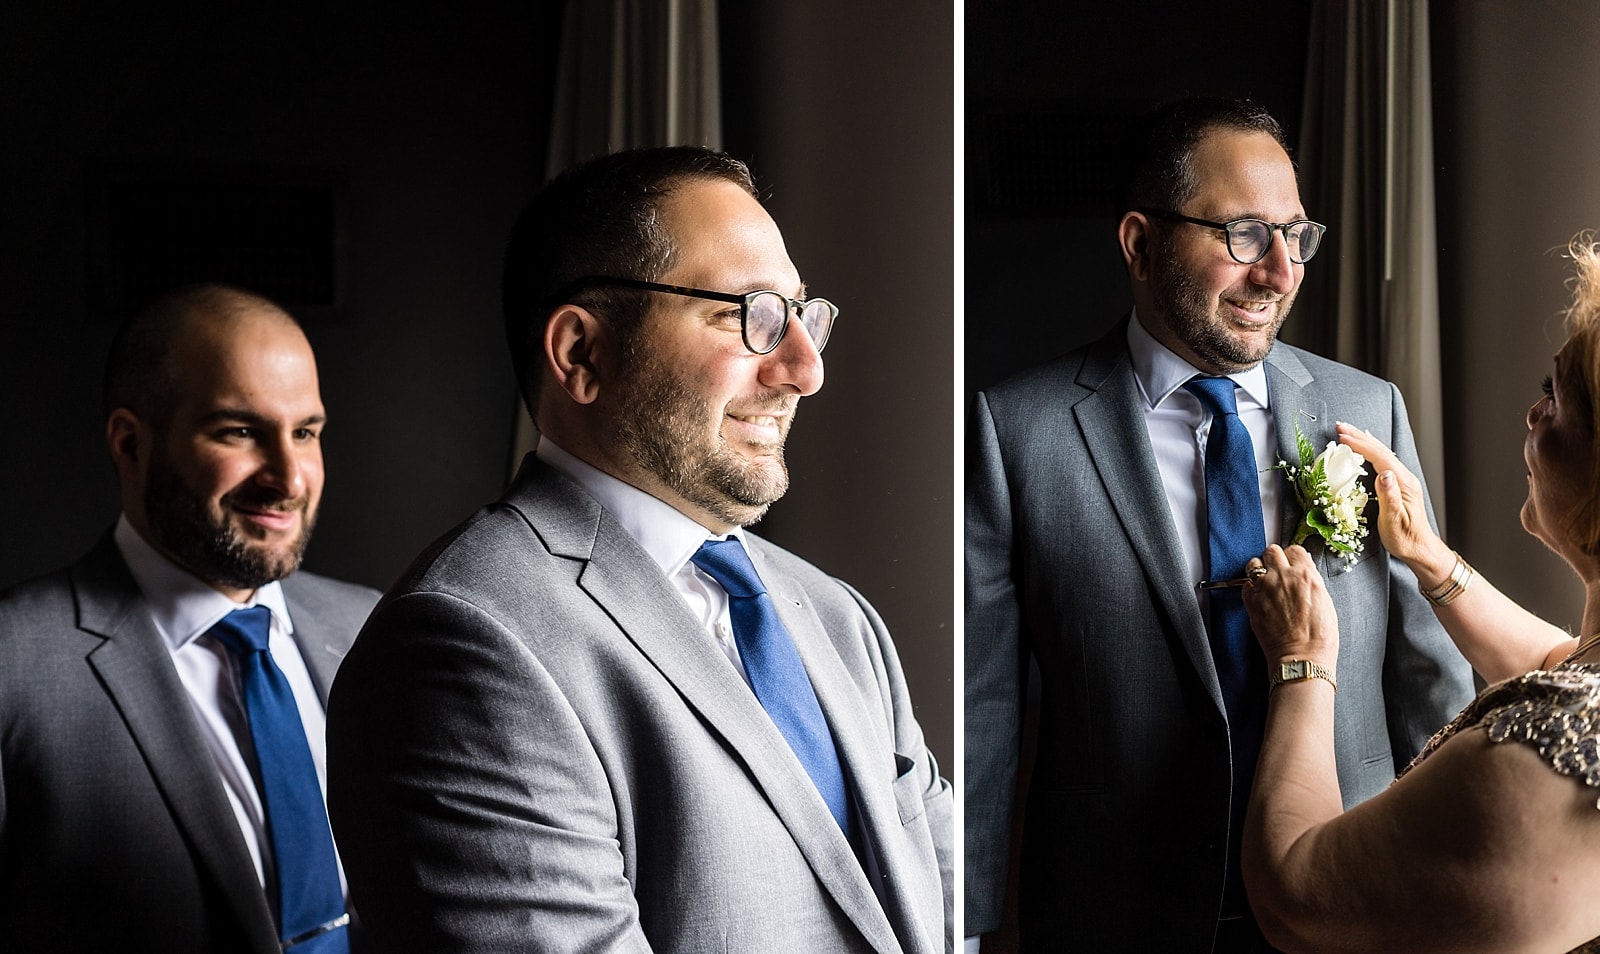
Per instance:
{"type": "Point", "coordinates": [1160, 371]}
{"type": "Point", "coordinates": [182, 605]}
{"type": "Point", "coordinates": [670, 536]}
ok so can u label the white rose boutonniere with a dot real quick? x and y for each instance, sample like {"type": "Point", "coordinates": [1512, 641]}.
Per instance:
{"type": "Point", "coordinates": [1332, 498]}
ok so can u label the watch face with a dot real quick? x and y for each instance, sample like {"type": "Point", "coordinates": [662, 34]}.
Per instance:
{"type": "Point", "coordinates": [1299, 670]}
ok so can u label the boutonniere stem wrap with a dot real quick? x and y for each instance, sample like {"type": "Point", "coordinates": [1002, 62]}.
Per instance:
{"type": "Point", "coordinates": [1332, 497]}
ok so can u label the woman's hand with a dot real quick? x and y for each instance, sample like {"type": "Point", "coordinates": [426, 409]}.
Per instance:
{"type": "Point", "coordinates": [1402, 510]}
{"type": "Point", "coordinates": [1290, 610]}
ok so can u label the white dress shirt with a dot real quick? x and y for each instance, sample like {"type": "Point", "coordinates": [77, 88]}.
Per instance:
{"type": "Point", "coordinates": [669, 536]}
{"type": "Point", "coordinates": [184, 609]}
{"type": "Point", "coordinates": [1178, 426]}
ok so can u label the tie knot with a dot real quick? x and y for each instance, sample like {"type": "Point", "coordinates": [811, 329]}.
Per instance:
{"type": "Point", "coordinates": [245, 631]}
{"type": "Point", "coordinates": [726, 562]}
{"type": "Point", "coordinates": [1215, 393]}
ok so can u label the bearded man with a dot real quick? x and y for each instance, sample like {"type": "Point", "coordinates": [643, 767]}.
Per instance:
{"type": "Point", "coordinates": [601, 715]}
{"type": "Point", "coordinates": [140, 809]}
{"type": "Point", "coordinates": [1102, 489]}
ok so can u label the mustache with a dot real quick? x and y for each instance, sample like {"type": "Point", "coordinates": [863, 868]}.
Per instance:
{"type": "Point", "coordinates": [1257, 293]}
{"type": "Point", "coordinates": [774, 402]}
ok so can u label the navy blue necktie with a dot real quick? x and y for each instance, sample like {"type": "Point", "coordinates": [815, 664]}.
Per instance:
{"type": "Point", "coordinates": [1233, 516]}
{"type": "Point", "coordinates": [776, 673]}
{"type": "Point", "coordinates": [311, 914]}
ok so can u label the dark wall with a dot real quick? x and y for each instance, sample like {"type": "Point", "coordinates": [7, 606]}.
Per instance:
{"type": "Point", "coordinates": [1048, 90]}
{"type": "Point", "coordinates": [1515, 137]}
{"type": "Point", "coordinates": [844, 111]}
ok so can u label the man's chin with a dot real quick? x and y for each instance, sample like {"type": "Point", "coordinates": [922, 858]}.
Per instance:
{"type": "Point", "coordinates": [256, 573]}
{"type": "Point", "coordinates": [744, 498]}
{"type": "Point", "coordinates": [1241, 353]}
{"type": "Point", "coordinates": [765, 483]}
{"type": "Point", "coordinates": [257, 561]}
{"type": "Point", "coordinates": [279, 561]}
{"type": "Point", "coordinates": [740, 514]}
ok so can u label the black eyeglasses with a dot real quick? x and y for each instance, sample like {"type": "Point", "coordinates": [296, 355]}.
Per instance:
{"type": "Point", "coordinates": [763, 315]}
{"type": "Point", "coordinates": [1249, 239]}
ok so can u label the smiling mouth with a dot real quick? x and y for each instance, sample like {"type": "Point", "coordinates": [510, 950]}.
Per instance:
{"type": "Point", "coordinates": [276, 519]}
{"type": "Point", "coordinates": [279, 516]}
{"type": "Point", "coordinates": [757, 430]}
{"type": "Point", "coordinates": [1253, 308]}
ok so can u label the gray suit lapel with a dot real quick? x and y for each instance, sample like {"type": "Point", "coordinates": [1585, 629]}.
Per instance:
{"type": "Point", "coordinates": [137, 671]}
{"type": "Point", "coordinates": [631, 588]}
{"type": "Point", "coordinates": [1296, 399]}
{"type": "Point", "coordinates": [1117, 440]}
{"type": "Point", "coordinates": [857, 736]}
{"type": "Point", "coordinates": [311, 635]}
{"type": "Point", "coordinates": [628, 586]}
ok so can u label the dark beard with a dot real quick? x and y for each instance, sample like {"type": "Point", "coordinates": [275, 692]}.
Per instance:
{"type": "Point", "coordinates": [1181, 305]}
{"type": "Point", "coordinates": [658, 417]}
{"type": "Point", "coordinates": [211, 549]}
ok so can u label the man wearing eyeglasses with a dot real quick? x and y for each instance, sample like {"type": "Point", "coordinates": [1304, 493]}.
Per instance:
{"type": "Point", "coordinates": [601, 714]}
{"type": "Point", "coordinates": [1089, 530]}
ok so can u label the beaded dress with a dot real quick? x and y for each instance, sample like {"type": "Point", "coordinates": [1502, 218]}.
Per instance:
{"type": "Point", "coordinates": [1556, 712]}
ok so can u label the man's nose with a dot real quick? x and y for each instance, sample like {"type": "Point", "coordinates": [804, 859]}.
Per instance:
{"type": "Point", "coordinates": [284, 465]}
{"type": "Point", "coordinates": [1275, 270]}
{"type": "Point", "coordinates": [794, 365]}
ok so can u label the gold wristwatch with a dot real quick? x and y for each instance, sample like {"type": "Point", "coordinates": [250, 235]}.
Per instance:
{"type": "Point", "coordinates": [1299, 670]}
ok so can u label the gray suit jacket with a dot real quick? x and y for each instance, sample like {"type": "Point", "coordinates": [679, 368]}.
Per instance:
{"type": "Point", "coordinates": [115, 832]}
{"type": "Point", "coordinates": [534, 745]}
{"type": "Point", "coordinates": [1072, 559]}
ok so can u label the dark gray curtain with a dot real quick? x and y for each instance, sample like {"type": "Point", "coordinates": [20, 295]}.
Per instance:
{"type": "Point", "coordinates": [1371, 296]}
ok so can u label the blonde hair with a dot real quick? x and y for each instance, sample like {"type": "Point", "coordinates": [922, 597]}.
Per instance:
{"type": "Point", "coordinates": [1583, 338]}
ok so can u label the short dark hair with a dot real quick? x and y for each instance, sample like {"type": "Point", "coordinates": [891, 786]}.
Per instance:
{"type": "Point", "coordinates": [140, 374]}
{"type": "Point", "coordinates": [600, 217]}
{"type": "Point", "coordinates": [1159, 151]}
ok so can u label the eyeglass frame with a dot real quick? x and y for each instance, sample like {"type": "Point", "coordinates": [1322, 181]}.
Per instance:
{"type": "Point", "coordinates": [794, 306]}
{"type": "Point", "coordinates": [1272, 227]}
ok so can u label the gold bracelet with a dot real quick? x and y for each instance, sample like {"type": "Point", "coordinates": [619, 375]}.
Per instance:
{"type": "Point", "coordinates": [1451, 589]}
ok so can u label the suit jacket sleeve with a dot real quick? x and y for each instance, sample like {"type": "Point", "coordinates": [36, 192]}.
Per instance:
{"type": "Point", "coordinates": [1426, 680]}
{"type": "Point", "coordinates": [466, 797]}
{"type": "Point", "coordinates": [995, 675]}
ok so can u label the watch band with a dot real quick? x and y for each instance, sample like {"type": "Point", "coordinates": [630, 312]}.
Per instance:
{"type": "Point", "coordinates": [1299, 670]}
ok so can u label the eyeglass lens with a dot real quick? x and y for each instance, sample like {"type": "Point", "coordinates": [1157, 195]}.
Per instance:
{"type": "Point", "coordinates": [767, 315]}
{"type": "Point", "coordinates": [1249, 239]}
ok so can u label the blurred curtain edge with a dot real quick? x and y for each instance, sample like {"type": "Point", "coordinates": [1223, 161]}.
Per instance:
{"type": "Point", "coordinates": [1366, 152]}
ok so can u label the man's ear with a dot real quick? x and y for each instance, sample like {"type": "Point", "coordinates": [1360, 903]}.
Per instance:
{"type": "Point", "coordinates": [1133, 235]}
{"type": "Point", "coordinates": [128, 440]}
{"type": "Point", "coordinates": [575, 346]}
